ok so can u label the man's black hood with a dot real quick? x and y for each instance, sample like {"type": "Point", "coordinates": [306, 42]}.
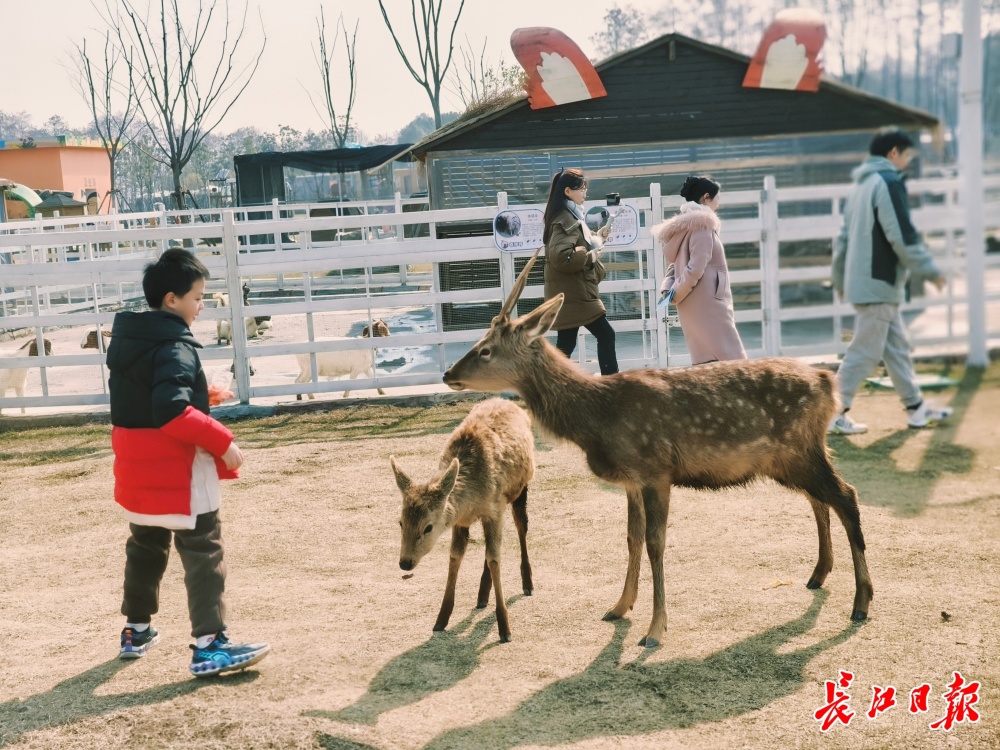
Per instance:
{"type": "Point", "coordinates": [133, 335]}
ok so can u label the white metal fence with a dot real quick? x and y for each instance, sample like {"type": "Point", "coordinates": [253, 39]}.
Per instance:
{"type": "Point", "coordinates": [321, 277]}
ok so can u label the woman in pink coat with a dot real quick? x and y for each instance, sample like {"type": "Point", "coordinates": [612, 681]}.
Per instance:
{"type": "Point", "coordinates": [698, 275]}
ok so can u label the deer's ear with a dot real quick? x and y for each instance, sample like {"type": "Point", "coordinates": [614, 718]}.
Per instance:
{"type": "Point", "coordinates": [402, 481]}
{"type": "Point", "coordinates": [447, 482]}
{"type": "Point", "coordinates": [539, 321]}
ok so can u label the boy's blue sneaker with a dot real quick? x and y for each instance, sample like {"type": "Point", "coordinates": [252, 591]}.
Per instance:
{"type": "Point", "coordinates": [136, 644]}
{"type": "Point", "coordinates": [222, 656]}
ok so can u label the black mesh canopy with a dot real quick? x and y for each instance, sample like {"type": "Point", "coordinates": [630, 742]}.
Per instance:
{"type": "Point", "coordinates": [259, 177]}
{"type": "Point", "coordinates": [331, 160]}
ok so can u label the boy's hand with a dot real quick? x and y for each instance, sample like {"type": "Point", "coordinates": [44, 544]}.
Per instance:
{"type": "Point", "coordinates": [939, 282]}
{"type": "Point", "coordinates": [233, 457]}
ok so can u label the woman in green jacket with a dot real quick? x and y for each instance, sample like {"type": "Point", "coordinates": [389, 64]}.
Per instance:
{"type": "Point", "coordinates": [573, 267]}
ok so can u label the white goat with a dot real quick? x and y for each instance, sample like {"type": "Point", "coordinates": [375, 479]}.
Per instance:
{"type": "Point", "coordinates": [355, 362]}
{"type": "Point", "coordinates": [14, 378]}
{"type": "Point", "coordinates": [224, 330]}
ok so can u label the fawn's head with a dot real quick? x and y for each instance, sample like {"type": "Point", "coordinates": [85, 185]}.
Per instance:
{"type": "Point", "coordinates": [427, 512]}
{"type": "Point", "coordinates": [497, 360]}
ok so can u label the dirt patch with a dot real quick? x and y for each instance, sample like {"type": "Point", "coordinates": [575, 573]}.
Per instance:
{"type": "Point", "coordinates": [312, 546]}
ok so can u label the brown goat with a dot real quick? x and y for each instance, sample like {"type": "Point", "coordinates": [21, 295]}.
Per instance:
{"type": "Point", "coordinates": [710, 426]}
{"type": "Point", "coordinates": [32, 347]}
{"type": "Point", "coordinates": [485, 466]}
{"type": "Point", "coordinates": [90, 340]}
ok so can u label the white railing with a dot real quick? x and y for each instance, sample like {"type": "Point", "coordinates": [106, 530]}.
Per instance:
{"type": "Point", "coordinates": [78, 271]}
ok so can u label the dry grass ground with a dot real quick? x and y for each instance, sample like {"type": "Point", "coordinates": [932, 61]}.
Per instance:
{"type": "Point", "coordinates": [312, 545]}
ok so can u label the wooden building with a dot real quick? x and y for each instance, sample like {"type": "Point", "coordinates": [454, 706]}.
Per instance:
{"type": "Point", "coordinates": [675, 106]}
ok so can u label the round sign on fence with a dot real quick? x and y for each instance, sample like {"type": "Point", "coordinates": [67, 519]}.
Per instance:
{"type": "Point", "coordinates": [522, 228]}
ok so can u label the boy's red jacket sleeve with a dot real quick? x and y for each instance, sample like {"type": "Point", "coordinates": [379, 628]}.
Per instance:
{"type": "Point", "coordinates": [196, 428]}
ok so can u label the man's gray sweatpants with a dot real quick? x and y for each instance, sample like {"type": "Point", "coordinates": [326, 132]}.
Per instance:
{"type": "Point", "coordinates": [878, 335]}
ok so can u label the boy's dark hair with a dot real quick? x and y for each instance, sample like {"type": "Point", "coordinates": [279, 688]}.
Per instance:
{"type": "Point", "coordinates": [174, 271]}
{"type": "Point", "coordinates": [887, 139]}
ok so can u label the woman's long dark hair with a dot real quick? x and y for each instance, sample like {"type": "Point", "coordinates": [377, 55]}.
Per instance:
{"type": "Point", "coordinates": [571, 178]}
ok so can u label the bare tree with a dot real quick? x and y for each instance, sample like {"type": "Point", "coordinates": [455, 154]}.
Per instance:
{"type": "Point", "coordinates": [340, 125]}
{"type": "Point", "coordinates": [849, 28]}
{"type": "Point", "coordinates": [482, 85]}
{"type": "Point", "coordinates": [427, 67]}
{"type": "Point", "coordinates": [623, 29]}
{"type": "Point", "coordinates": [101, 88]}
{"type": "Point", "coordinates": [188, 86]}
{"type": "Point", "coordinates": [141, 177]}
{"type": "Point", "coordinates": [15, 125]}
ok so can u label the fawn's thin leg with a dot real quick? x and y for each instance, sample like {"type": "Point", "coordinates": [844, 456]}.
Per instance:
{"type": "Point", "coordinates": [656, 501]}
{"type": "Point", "coordinates": [493, 533]}
{"type": "Point", "coordinates": [459, 541]}
{"type": "Point", "coordinates": [519, 509]}
{"type": "Point", "coordinates": [485, 584]}
{"type": "Point", "coordinates": [825, 563]}
{"type": "Point", "coordinates": [636, 535]}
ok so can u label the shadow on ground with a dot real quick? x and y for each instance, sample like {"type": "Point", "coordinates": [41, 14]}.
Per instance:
{"type": "Point", "coordinates": [881, 484]}
{"type": "Point", "coordinates": [610, 698]}
{"type": "Point", "coordinates": [74, 699]}
{"type": "Point", "coordinates": [440, 663]}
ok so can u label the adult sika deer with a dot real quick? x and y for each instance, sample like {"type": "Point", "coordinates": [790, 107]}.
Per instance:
{"type": "Point", "coordinates": [710, 426]}
{"type": "Point", "coordinates": [485, 466]}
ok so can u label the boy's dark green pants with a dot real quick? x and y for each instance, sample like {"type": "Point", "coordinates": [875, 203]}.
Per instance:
{"type": "Point", "coordinates": [200, 550]}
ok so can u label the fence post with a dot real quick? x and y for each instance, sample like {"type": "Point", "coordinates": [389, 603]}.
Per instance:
{"type": "Point", "coordinates": [506, 260]}
{"type": "Point", "coordinates": [238, 328]}
{"type": "Point", "coordinates": [657, 270]}
{"type": "Point", "coordinates": [162, 220]}
{"type": "Point", "coordinates": [970, 170]}
{"type": "Point", "coordinates": [276, 216]}
{"type": "Point", "coordinates": [770, 287]}
{"type": "Point", "coordinates": [397, 208]}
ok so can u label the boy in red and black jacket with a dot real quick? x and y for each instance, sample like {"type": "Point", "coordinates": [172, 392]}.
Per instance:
{"type": "Point", "coordinates": [169, 457]}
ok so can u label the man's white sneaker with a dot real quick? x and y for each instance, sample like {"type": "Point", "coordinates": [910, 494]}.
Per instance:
{"type": "Point", "coordinates": [844, 425]}
{"type": "Point", "coordinates": [927, 414]}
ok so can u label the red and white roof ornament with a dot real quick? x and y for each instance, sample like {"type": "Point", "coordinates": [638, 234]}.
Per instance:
{"type": "Point", "coordinates": [558, 71]}
{"type": "Point", "coordinates": [788, 54]}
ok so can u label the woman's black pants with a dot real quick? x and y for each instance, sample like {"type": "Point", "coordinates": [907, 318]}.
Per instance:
{"type": "Point", "coordinates": [605, 335]}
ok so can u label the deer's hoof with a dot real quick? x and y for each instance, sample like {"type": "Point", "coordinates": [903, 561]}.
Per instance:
{"type": "Point", "coordinates": [439, 628]}
{"type": "Point", "coordinates": [859, 616]}
{"type": "Point", "coordinates": [482, 605]}
{"type": "Point", "coordinates": [814, 584]}
{"type": "Point", "coordinates": [649, 642]}
{"type": "Point", "coordinates": [505, 638]}
{"type": "Point", "coordinates": [611, 616]}
{"type": "Point", "coordinates": [527, 592]}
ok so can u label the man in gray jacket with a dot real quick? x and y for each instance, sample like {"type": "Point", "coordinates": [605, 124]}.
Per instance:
{"type": "Point", "coordinates": [872, 258]}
